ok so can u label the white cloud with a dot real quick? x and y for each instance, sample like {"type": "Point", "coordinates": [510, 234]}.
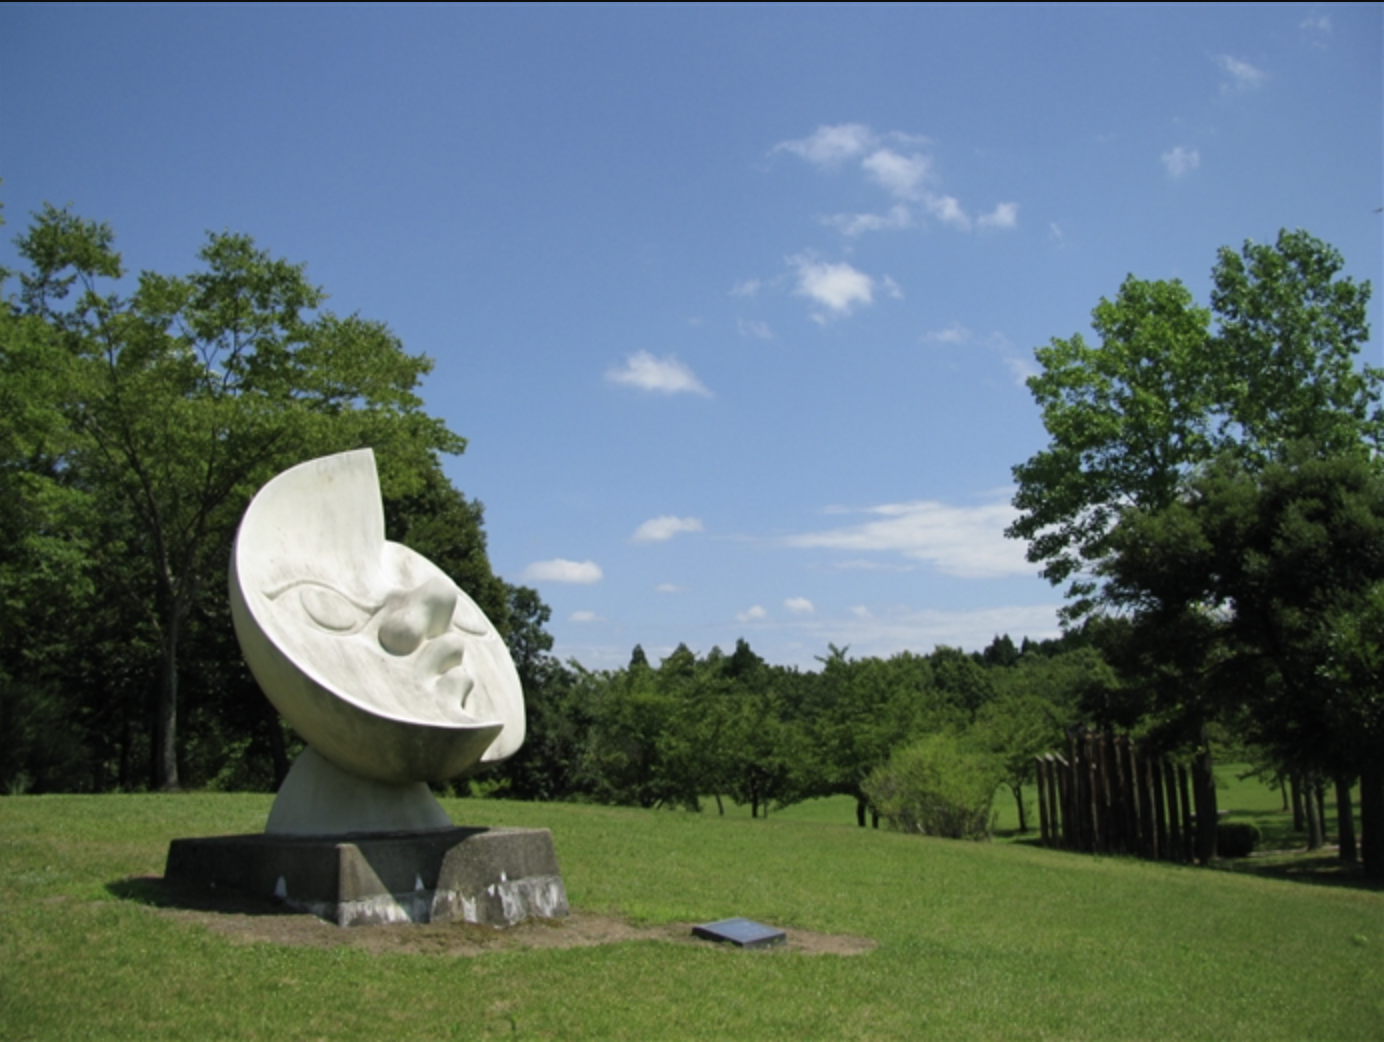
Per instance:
{"type": "Point", "coordinates": [586, 616]}
{"type": "Point", "coordinates": [828, 146]}
{"type": "Point", "coordinates": [1243, 75]}
{"type": "Point", "coordinates": [947, 210]}
{"type": "Point", "coordinates": [751, 614]}
{"type": "Point", "coordinates": [563, 571]}
{"type": "Point", "coordinates": [853, 224]}
{"type": "Point", "coordinates": [894, 162]}
{"type": "Point", "coordinates": [1317, 29]}
{"type": "Point", "coordinates": [754, 330]}
{"type": "Point", "coordinates": [799, 606]}
{"type": "Point", "coordinates": [964, 541]}
{"type": "Point", "coordinates": [838, 287]}
{"type": "Point", "coordinates": [901, 176]}
{"type": "Point", "coordinates": [955, 333]}
{"type": "Point", "coordinates": [664, 375]}
{"type": "Point", "coordinates": [1181, 161]}
{"type": "Point", "coordinates": [661, 529]}
{"type": "Point", "coordinates": [670, 588]}
{"type": "Point", "coordinates": [748, 288]}
{"type": "Point", "coordinates": [1004, 215]}
{"type": "Point", "coordinates": [903, 629]}
{"type": "Point", "coordinates": [1021, 369]}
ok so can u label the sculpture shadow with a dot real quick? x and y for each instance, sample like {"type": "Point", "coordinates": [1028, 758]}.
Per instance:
{"type": "Point", "coordinates": [158, 892]}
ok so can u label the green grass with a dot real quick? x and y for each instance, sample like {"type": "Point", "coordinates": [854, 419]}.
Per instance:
{"type": "Point", "coordinates": [974, 940]}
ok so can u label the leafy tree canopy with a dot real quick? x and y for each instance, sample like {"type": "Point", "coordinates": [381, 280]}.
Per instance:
{"type": "Point", "coordinates": [1165, 390]}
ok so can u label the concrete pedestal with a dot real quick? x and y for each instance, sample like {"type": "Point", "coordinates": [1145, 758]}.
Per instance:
{"type": "Point", "coordinates": [491, 876]}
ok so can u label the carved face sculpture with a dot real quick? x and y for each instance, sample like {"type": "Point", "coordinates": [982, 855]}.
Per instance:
{"type": "Point", "coordinates": [368, 649]}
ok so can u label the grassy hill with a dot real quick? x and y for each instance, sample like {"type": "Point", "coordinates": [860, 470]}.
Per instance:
{"type": "Point", "coordinates": [972, 940]}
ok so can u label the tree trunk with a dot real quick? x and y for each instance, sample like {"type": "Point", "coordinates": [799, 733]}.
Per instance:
{"type": "Point", "coordinates": [1299, 822]}
{"type": "Point", "coordinates": [720, 808]}
{"type": "Point", "coordinates": [1345, 819]}
{"type": "Point", "coordinates": [1315, 839]}
{"type": "Point", "coordinates": [1372, 819]}
{"type": "Point", "coordinates": [1018, 791]}
{"type": "Point", "coordinates": [1204, 788]}
{"type": "Point", "coordinates": [860, 811]}
{"type": "Point", "coordinates": [166, 730]}
{"type": "Point", "coordinates": [1319, 793]}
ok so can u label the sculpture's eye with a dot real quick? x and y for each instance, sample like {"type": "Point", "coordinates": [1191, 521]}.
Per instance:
{"type": "Point", "coordinates": [330, 609]}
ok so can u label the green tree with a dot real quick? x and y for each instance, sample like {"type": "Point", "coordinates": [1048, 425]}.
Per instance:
{"type": "Point", "coordinates": [1163, 393]}
{"type": "Point", "coordinates": [179, 400]}
{"type": "Point", "coordinates": [940, 785]}
{"type": "Point", "coordinates": [1275, 570]}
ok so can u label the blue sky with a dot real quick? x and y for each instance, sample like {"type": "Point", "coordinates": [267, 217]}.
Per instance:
{"type": "Point", "coordinates": [732, 303]}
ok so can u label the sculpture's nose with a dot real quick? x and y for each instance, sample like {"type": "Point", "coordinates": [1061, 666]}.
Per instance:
{"type": "Point", "coordinates": [413, 616]}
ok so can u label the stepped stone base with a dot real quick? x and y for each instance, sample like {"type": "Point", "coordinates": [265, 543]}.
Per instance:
{"type": "Point", "coordinates": [491, 876]}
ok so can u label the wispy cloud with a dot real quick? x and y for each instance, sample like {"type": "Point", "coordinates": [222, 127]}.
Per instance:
{"type": "Point", "coordinates": [661, 529]}
{"type": "Point", "coordinates": [799, 605]}
{"type": "Point", "coordinates": [955, 333]}
{"type": "Point", "coordinates": [748, 288]}
{"type": "Point", "coordinates": [830, 146]}
{"type": "Point", "coordinates": [853, 224]}
{"type": "Point", "coordinates": [752, 614]}
{"type": "Point", "coordinates": [947, 210]}
{"type": "Point", "coordinates": [1242, 75]}
{"type": "Point", "coordinates": [901, 176]}
{"type": "Point", "coordinates": [886, 633]}
{"type": "Point", "coordinates": [839, 288]}
{"type": "Point", "coordinates": [964, 541]}
{"type": "Point", "coordinates": [560, 570]}
{"type": "Point", "coordinates": [1004, 215]}
{"type": "Point", "coordinates": [586, 616]}
{"type": "Point", "coordinates": [670, 588]}
{"type": "Point", "coordinates": [897, 163]}
{"type": "Point", "coordinates": [1021, 369]}
{"type": "Point", "coordinates": [754, 330]}
{"type": "Point", "coordinates": [1316, 28]}
{"type": "Point", "coordinates": [1181, 161]}
{"type": "Point", "coordinates": [663, 375]}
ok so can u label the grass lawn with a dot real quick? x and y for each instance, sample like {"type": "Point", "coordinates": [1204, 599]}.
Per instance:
{"type": "Point", "coordinates": [973, 940]}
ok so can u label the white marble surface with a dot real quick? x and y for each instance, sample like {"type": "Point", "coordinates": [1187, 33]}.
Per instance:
{"type": "Point", "coordinates": [373, 655]}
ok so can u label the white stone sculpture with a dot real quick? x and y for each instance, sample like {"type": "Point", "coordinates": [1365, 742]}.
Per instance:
{"type": "Point", "coordinates": [390, 672]}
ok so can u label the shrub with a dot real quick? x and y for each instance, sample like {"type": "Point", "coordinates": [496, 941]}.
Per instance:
{"type": "Point", "coordinates": [938, 787]}
{"type": "Point", "coordinates": [1236, 839]}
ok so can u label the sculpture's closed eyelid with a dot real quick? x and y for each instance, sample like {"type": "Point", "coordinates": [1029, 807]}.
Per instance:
{"type": "Point", "coordinates": [329, 608]}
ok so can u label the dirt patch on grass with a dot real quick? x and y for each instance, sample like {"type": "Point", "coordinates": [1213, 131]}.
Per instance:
{"type": "Point", "coordinates": [248, 921]}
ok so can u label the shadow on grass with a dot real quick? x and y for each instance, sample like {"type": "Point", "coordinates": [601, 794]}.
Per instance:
{"type": "Point", "coordinates": [161, 893]}
{"type": "Point", "coordinates": [1283, 856]}
{"type": "Point", "coordinates": [1317, 867]}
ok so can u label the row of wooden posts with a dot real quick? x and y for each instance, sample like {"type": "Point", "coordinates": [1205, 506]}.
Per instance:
{"type": "Point", "coordinates": [1106, 796]}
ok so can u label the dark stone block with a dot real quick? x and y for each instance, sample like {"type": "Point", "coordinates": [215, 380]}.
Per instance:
{"type": "Point", "coordinates": [491, 876]}
{"type": "Point", "coordinates": [743, 933]}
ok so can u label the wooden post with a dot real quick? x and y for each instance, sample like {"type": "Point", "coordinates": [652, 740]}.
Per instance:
{"type": "Point", "coordinates": [1174, 818]}
{"type": "Point", "coordinates": [1185, 799]}
{"type": "Point", "coordinates": [1204, 788]}
{"type": "Point", "coordinates": [1160, 820]}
